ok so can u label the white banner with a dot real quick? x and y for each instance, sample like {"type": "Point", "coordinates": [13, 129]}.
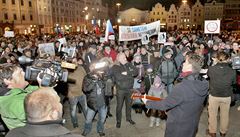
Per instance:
{"type": "Point", "coordinates": [46, 48]}
{"type": "Point", "coordinates": [162, 37]}
{"type": "Point", "coordinates": [9, 34]}
{"type": "Point", "coordinates": [212, 26]}
{"type": "Point", "coordinates": [129, 33]}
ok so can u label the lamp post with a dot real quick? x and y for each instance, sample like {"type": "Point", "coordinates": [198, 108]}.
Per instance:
{"type": "Point", "coordinates": [118, 5]}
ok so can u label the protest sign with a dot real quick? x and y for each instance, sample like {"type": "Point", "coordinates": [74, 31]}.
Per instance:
{"type": "Point", "coordinates": [102, 40]}
{"type": "Point", "coordinates": [62, 41]}
{"type": "Point", "coordinates": [129, 33]}
{"type": "Point", "coordinates": [46, 48]}
{"type": "Point", "coordinates": [145, 39]}
{"type": "Point", "coordinates": [9, 34]}
{"type": "Point", "coordinates": [212, 26]}
{"type": "Point", "coordinates": [162, 37]}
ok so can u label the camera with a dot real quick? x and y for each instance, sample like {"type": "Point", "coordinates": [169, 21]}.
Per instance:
{"type": "Point", "coordinates": [50, 72]}
{"type": "Point", "coordinates": [236, 62]}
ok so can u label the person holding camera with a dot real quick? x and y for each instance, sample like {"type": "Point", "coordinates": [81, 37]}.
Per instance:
{"type": "Point", "coordinates": [123, 74]}
{"type": "Point", "coordinates": [221, 80]}
{"type": "Point", "coordinates": [12, 106]}
{"type": "Point", "coordinates": [93, 87]}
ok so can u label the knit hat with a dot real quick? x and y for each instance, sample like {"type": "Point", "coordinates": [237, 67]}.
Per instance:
{"type": "Point", "coordinates": [168, 52]}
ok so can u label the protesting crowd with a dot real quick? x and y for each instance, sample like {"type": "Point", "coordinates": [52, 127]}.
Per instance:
{"type": "Point", "coordinates": [189, 71]}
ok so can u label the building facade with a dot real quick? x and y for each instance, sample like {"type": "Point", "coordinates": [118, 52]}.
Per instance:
{"type": "Point", "coordinates": [133, 16]}
{"type": "Point", "coordinates": [172, 18]}
{"type": "Point", "coordinates": [159, 13]}
{"type": "Point", "coordinates": [184, 16]}
{"type": "Point", "coordinates": [21, 13]}
{"type": "Point", "coordinates": [197, 15]}
{"type": "Point", "coordinates": [213, 10]}
{"type": "Point", "coordinates": [44, 10]}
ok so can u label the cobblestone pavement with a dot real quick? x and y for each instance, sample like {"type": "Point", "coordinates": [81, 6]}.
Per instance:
{"type": "Point", "coordinates": [142, 129]}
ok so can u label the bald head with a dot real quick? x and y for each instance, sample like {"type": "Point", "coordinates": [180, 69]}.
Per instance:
{"type": "Point", "coordinates": [43, 105]}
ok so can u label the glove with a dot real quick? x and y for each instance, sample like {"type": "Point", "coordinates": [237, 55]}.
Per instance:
{"type": "Point", "coordinates": [144, 99]}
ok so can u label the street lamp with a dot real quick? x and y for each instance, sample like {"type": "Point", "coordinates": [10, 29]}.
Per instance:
{"type": "Point", "coordinates": [119, 21]}
{"type": "Point", "coordinates": [118, 5]}
{"type": "Point", "coordinates": [184, 1]}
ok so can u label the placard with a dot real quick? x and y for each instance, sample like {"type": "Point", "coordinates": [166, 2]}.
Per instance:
{"type": "Point", "coordinates": [46, 48]}
{"type": "Point", "coordinates": [102, 39]}
{"type": "Point", "coordinates": [162, 37]}
{"type": "Point", "coordinates": [212, 26]}
{"type": "Point", "coordinates": [9, 34]}
{"type": "Point", "coordinates": [145, 39]}
{"type": "Point", "coordinates": [62, 41]}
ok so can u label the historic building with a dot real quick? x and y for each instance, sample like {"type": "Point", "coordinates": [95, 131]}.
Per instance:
{"type": "Point", "coordinates": [197, 15]}
{"type": "Point", "coordinates": [159, 13]}
{"type": "Point", "coordinates": [21, 13]}
{"type": "Point", "coordinates": [184, 16]}
{"type": "Point", "coordinates": [133, 16]}
{"type": "Point", "coordinates": [213, 10]}
{"type": "Point", "coordinates": [172, 18]}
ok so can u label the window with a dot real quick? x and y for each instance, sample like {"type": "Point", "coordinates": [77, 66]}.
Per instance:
{"type": "Point", "coordinates": [5, 16]}
{"type": "Point", "coordinates": [30, 4]}
{"type": "Point", "coordinates": [15, 16]}
{"type": "Point", "coordinates": [153, 13]}
{"type": "Point", "coordinates": [23, 17]}
{"type": "Point", "coordinates": [31, 17]}
{"type": "Point", "coordinates": [4, 1]}
{"type": "Point", "coordinates": [157, 13]}
{"type": "Point", "coordinates": [13, 2]}
{"type": "Point", "coordinates": [22, 2]}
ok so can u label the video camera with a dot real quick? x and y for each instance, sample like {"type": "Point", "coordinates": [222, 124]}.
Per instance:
{"type": "Point", "coordinates": [50, 72]}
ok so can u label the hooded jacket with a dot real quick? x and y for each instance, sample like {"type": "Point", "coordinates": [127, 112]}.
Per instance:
{"type": "Point", "coordinates": [185, 104]}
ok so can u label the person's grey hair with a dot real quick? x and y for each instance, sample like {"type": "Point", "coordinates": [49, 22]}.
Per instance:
{"type": "Point", "coordinates": [40, 103]}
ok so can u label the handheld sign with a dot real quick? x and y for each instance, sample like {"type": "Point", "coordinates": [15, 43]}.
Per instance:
{"type": "Point", "coordinates": [212, 26]}
{"type": "Point", "coordinates": [145, 39]}
{"type": "Point", "coordinates": [162, 37]}
{"type": "Point", "coordinates": [46, 48]}
{"type": "Point", "coordinates": [9, 34]}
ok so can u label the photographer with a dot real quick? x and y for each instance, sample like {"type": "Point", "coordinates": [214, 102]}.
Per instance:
{"type": "Point", "coordinates": [11, 108]}
{"type": "Point", "coordinates": [93, 87]}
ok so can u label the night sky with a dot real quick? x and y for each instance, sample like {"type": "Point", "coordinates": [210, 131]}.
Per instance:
{"type": "Point", "coordinates": [148, 4]}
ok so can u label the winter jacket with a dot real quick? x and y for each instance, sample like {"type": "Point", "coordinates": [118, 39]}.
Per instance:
{"type": "Point", "coordinates": [124, 82]}
{"type": "Point", "coordinates": [185, 104]}
{"type": "Point", "coordinates": [75, 90]}
{"type": "Point", "coordinates": [222, 78]}
{"type": "Point", "coordinates": [167, 71]}
{"type": "Point", "coordinates": [12, 106]}
{"type": "Point", "coordinates": [94, 91]}
{"type": "Point", "coordinates": [42, 129]}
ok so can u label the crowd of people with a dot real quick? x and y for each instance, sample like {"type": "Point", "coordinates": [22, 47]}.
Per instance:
{"type": "Point", "coordinates": [184, 71]}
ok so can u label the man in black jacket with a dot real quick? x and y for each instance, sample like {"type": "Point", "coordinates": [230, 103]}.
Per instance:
{"type": "Point", "coordinates": [44, 112]}
{"type": "Point", "coordinates": [185, 102]}
{"type": "Point", "coordinates": [123, 74]}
